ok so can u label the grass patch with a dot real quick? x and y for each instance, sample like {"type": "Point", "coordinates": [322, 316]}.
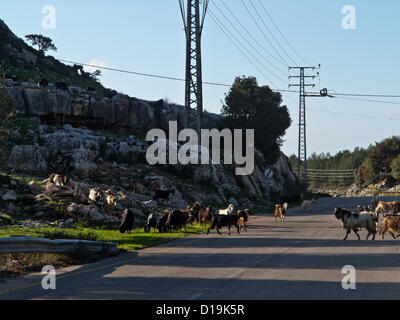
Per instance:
{"type": "Point", "coordinates": [138, 239]}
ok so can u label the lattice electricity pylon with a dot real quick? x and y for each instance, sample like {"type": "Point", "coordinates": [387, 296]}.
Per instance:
{"type": "Point", "coordinates": [302, 165]}
{"type": "Point", "coordinates": [193, 19]}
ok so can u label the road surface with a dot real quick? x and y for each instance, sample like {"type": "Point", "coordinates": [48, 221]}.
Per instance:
{"type": "Point", "coordinates": [300, 259]}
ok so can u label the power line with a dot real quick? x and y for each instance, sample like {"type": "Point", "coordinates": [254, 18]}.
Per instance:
{"type": "Point", "coordinates": [281, 33]}
{"type": "Point", "coordinates": [354, 115]}
{"type": "Point", "coordinates": [249, 43]}
{"type": "Point", "coordinates": [230, 85]}
{"type": "Point", "coordinates": [368, 100]}
{"type": "Point", "coordinates": [250, 35]}
{"type": "Point", "coordinates": [367, 95]}
{"type": "Point", "coordinates": [263, 33]}
{"type": "Point", "coordinates": [272, 35]}
{"type": "Point", "coordinates": [229, 35]}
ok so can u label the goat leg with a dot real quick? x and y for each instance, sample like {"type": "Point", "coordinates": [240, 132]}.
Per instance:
{"type": "Point", "coordinates": [356, 232]}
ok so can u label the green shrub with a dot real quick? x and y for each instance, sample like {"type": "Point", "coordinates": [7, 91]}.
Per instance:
{"type": "Point", "coordinates": [395, 166]}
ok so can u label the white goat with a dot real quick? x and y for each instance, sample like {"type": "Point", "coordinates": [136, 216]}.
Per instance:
{"type": "Point", "coordinates": [229, 210]}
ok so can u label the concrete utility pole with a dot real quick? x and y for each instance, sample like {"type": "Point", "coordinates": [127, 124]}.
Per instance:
{"type": "Point", "coordinates": [302, 164]}
{"type": "Point", "coordinates": [193, 15]}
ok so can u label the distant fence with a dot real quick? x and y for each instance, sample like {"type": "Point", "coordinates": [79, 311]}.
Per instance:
{"type": "Point", "coordinates": [35, 245]}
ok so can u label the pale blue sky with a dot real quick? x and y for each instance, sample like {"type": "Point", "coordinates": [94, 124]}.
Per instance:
{"type": "Point", "coordinates": [147, 36]}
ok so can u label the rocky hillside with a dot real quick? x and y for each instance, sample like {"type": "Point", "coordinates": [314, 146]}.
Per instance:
{"type": "Point", "coordinates": [95, 136]}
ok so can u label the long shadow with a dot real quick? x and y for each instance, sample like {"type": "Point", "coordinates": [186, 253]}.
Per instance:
{"type": "Point", "coordinates": [246, 242]}
{"type": "Point", "coordinates": [97, 281]}
{"type": "Point", "coordinates": [279, 261]}
{"type": "Point", "coordinates": [179, 288]}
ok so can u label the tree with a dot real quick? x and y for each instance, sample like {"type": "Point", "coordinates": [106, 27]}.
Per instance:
{"type": "Point", "coordinates": [7, 117]}
{"type": "Point", "coordinates": [249, 106]}
{"type": "Point", "coordinates": [43, 43]}
{"type": "Point", "coordinates": [395, 166]}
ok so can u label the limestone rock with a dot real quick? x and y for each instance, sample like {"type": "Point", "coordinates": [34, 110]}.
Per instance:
{"type": "Point", "coordinates": [10, 196]}
{"type": "Point", "coordinates": [27, 158]}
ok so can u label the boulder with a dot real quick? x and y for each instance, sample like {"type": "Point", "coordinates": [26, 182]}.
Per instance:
{"type": "Point", "coordinates": [81, 192]}
{"type": "Point", "coordinates": [10, 196]}
{"type": "Point", "coordinates": [27, 158]}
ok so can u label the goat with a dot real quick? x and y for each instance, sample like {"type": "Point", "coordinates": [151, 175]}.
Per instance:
{"type": "Point", "coordinates": [177, 220]}
{"type": "Point", "coordinates": [111, 198]}
{"type": "Point", "coordinates": [243, 219]}
{"type": "Point", "coordinates": [227, 211]}
{"type": "Point", "coordinates": [391, 224]}
{"type": "Point", "coordinates": [161, 225]}
{"type": "Point", "coordinates": [354, 221]}
{"type": "Point", "coordinates": [206, 215]}
{"type": "Point", "coordinates": [58, 180]}
{"type": "Point", "coordinates": [280, 212]}
{"type": "Point", "coordinates": [95, 195]}
{"type": "Point", "coordinates": [387, 206]}
{"type": "Point", "coordinates": [152, 222]}
{"type": "Point", "coordinates": [195, 209]}
{"type": "Point", "coordinates": [248, 212]}
{"type": "Point", "coordinates": [219, 221]}
{"type": "Point", "coordinates": [128, 219]}
{"type": "Point", "coordinates": [161, 194]}
{"type": "Point", "coordinates": [43, 83]}
{"type": "Point", "coordinates": [308, 205]}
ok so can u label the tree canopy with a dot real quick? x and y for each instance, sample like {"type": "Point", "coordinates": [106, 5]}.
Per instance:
{"type": "Point", "coordinates": [43, 43]}
{"type": "Point", "coordinates": [382, 157]}
{"type": "Point", "coordinates": [250, 106]}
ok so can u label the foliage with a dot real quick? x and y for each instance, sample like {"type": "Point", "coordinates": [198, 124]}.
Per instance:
{"type": "Point", "coordinates": [249, 106]}
{"type": "Point", "coordinates": [395, 166]}
{"type": "Point", "coordinates": [7, 118]}
{"type": "Point", "coordinates": [381, 157]}
{"type": "Point", "coordinates": [43, 43]}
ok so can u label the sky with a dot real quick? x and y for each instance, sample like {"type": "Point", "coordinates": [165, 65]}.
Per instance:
{"type": "Point", "coordinates": [147, 36]}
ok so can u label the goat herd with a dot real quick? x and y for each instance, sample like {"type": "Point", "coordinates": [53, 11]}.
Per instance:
{"type": "Point", "coordinates": [178, 219]}
{"type": "Point", "coordinates": [368, 218]}
{"type": "Point", "coordinates": [363, 218]}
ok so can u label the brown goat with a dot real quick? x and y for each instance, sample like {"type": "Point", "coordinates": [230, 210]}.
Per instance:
{"type": "Point", "coordinates": [205, 215]}
{"type": "Point", "coordinates": [387, 206]}
{"type": "Point", "coordinates": [243, 219]}
{"type": "Point", "coordinates": [392, 225]}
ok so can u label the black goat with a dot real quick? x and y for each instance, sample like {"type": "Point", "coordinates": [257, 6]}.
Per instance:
{"type": "Point", "coordinates": [128, 219]}
{"type": "Point", "coordinates": [178, 219]}
{"type": "Point", "coordinates": [43, 83]}
{"type": "Point", "coordinates": [219, 221]}
{"type": "Point", "coordinates": [161, 225]}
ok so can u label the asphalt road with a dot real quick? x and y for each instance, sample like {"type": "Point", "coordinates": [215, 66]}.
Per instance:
{"type": "Point", "coordinates": [300, 259]}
